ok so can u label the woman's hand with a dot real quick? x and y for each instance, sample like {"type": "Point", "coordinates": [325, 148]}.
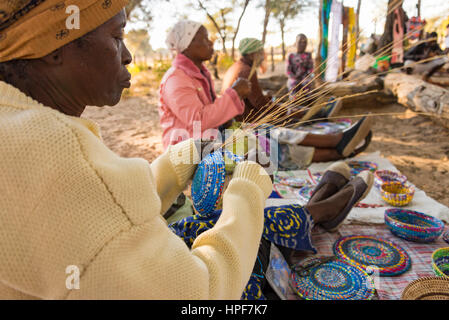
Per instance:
{"type": "Point", "coordinates": [242, 87]}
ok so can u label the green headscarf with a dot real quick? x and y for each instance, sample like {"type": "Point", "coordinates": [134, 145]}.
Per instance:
{"type": "Point", "coordinates": [250, 45]}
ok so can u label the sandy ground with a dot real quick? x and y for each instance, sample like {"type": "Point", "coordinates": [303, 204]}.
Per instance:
{"type": "Point", "coordinates": [413, 143]}
{"type": "Point", "coordinates": [131, 129]}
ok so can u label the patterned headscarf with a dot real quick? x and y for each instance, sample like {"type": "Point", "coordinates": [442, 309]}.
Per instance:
{"type": "Point", "coordinates": [181, 35]}
{"type": "Point", "coordinates": [31, 29]}
{"type": "Point", "coordinates": [250, 45]}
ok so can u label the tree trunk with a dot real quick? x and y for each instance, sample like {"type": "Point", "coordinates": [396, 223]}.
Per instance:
{"type": "Point", "coordinates": [238, 28]}
{"type": "Point", "coordinates": [357, 23]}
{"type": "Point", "coordinates": [284, 52]}
{"type": "Point", "coordinates": [420, 96]}
{"type": "Point", "coordinates": [359, 84]}
{"type": "Point", "coordinates": [217, 27]}
{"type": "Point", "coordinates": [418, 7]}
{"type": "Point", "coordinates": [223, 32]}
{"type": "Point", "coordinates": [318, 59]}
{"type": "Point", "coordinates": [387, 38]}
{"type": "Point", "coordinates": [344, 53]}
{"type": "Point", "coordinates": [223, 45]}
{"type": "Point", "coordinates": [266, 20]}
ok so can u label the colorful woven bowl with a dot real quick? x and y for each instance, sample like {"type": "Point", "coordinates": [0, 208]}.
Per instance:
{"type": "Point", "coordinates": [413, 226]}
{"type": "Point", "coordinates": [397, 194]}
{"type": "Point", "coordinates": [333, 280]}
{"type": "Point", "coordinates": [430, 288]}
{"type": "Point", "coordinates": [374, 254]}
{"type": "Point", "coordinates": [446, 237]}
{"type": "Point", "coordinates": [382, 176]}
{"type": "Point", "coordinates": [208, 183]}
{"type": "Point", "coordinates": [360, 166]}
{"type": "Point", "coordinates": [440, 262]}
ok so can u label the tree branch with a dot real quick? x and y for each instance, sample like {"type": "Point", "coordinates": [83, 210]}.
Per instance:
{"type": "Point", "coordinates": [238, 27]}
{"type": "Point", "coordinates": [211, 18]}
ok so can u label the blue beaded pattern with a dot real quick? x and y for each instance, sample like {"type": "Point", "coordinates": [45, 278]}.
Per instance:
{"type": "Point", "coordinates": [334, 280]}
{"type": "Point", "coordinates": [208, 183]}
{"type": "Point", "coordinates": [413, 225]}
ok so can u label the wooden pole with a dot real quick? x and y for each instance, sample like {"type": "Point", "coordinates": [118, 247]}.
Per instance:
{"type": "Point", "coordinates": [272, 59]}
{"type": "Point", "coordinates": [318, 59]}
{"type": "Point", "coordinates": [418, 6]}
{"type": "Point", "coordinates": [387, 38]}
{"type": "Point", "coordinates": [357, 23]}
{"type": "Point", "coordinates": [345, 23]}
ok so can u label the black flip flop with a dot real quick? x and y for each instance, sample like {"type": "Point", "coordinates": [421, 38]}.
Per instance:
{"type": "Point", "coordinates": [365, 146]}
{"type": "Point", "coordinates": [336, 105]}
{"type": "Point", "coordinates": [353, 136]}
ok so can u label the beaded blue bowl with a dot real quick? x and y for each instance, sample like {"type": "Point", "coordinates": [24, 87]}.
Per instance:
{"type": "Point", "coordinates": [208, 183]}
{"type": "Point", "coordinates": [413, 226]}
{"type": "Point", "coordinates": [332, 280]}
{"type": "Point", "coordinates": [209, 180]}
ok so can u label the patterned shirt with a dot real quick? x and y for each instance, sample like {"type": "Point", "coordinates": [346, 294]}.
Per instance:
{"type": "Point", "coordinates": [299, 67]}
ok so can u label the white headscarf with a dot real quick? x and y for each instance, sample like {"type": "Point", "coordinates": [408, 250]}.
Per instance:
{"type": "Point", "coordinates": [181, 35]}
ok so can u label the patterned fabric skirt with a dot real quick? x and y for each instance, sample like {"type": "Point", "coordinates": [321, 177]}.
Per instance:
{"type": "Point", "coordinates": [287, 226]}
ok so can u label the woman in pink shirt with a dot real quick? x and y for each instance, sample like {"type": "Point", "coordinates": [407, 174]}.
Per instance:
{"type": "Point", "coordinates": [189, 107]}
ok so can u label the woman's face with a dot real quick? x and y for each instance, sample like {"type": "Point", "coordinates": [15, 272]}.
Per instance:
{"type": "Point", "coordinates": [97, 69]}
{"type": "Point", "coordinates": [201, 48]}
{"type": "Point", "coordinates": [301, 44]}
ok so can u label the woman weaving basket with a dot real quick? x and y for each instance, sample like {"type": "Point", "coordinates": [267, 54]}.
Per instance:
{"type": "Point", "coordinates": [188, 103]}
{"type": "Point", "coordinates": [66, 200]}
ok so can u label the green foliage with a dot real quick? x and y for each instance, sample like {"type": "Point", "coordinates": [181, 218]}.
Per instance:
{"type": "Point", "coordinates": [135, 69]}
{"type": "Point", "coordinates": [160, 68]}
{"type": "Point", "coordinates": [284, 10]}
{"type": "Point", "coordinates": [224, 62]}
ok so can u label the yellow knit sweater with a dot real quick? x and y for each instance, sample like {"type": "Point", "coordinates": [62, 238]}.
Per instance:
{"type": "Point", "coordinates": [66, 200]}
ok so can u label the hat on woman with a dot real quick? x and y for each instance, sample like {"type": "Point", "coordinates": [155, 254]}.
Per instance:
{"type": "Point", "coordinates": [181, 35]}
{"type": "Point", "coordinates": [250, 45]}
{"type": "Point", "coordinates": [32, 29]}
